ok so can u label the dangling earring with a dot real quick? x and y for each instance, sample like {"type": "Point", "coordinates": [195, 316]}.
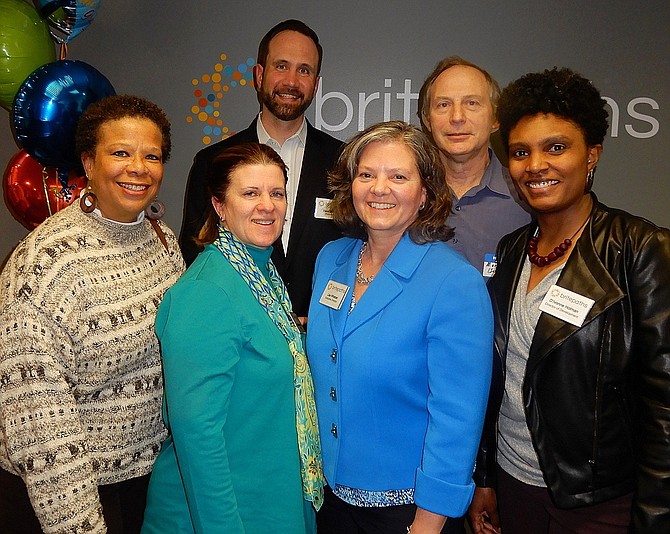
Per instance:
{"type": "Point", "coordinates": [589, 180]}
{"type": "Point", "coordinates": [155, 210]}
{"type": "Point", "coordinates": [88, 201]}
{"type": "Point", "coordinates": [422, 205]}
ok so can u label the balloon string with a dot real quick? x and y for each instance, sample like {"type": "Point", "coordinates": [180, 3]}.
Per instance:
{"type": "Point", "coordinates": [46, 189]}
{"type": "Point", "coordinates": [63, 51]}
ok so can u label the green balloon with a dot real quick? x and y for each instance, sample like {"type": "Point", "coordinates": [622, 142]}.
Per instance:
{"type": "Point", "coordinates": [25, 44]}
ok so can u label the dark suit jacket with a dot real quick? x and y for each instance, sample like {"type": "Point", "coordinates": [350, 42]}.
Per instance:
{"type": "Point", "coordinates": [308, 234]}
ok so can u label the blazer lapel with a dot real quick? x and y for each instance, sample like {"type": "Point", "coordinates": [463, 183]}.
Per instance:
{"type": "Point", "coordinates": [344, 273]}
{"type": "Point", "coordinates": [250, 134]}
{"type": "Point", "coordinates": [308, 189]}
{"type": "Point", "coordinates": [389, 282]}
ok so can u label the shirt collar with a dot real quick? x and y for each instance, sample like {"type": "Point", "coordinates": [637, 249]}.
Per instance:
{"type": "Point", "coordinates": [492, 180]}
{"type": "Point", "coordinates": [264, 136]}
{"type": "Point", "coordinates": [493, 176]}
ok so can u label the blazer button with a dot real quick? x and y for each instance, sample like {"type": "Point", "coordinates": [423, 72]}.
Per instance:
{"type": "Point", "coordinates": [333, 394]}
{"type": "Point", "coordinates": [333, 355]}
{"type": "Point", "coordinates": [333, 430]}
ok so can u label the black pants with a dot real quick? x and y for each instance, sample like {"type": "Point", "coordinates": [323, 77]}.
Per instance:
{"type": "Point", "coordinates": [339, 517]}
{"type": "Point", "coordinates": [123, 506]}
{"type": "Point", "coordinates": [524, 508]}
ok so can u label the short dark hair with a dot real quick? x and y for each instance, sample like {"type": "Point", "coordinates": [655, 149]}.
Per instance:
{"type": "Point", "coordinates": [561, 92]}
{"type": "Point", "coordinates": [430, 225]}
{"type": "Point", "coordinates": [114, 108]}
{"type": "Point", "coordinates": [288, 25]}
{"type": "Point", "coordinates": [218, 179]}
{"type": "Point", "coordinates": [447, 63]}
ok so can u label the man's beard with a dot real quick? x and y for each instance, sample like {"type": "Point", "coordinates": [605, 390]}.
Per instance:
{"type": "Point", "coordinates": [285, 112]}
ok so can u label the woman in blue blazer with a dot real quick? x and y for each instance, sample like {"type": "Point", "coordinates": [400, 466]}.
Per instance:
{"type": "Point", "coordinates": [399, 341]}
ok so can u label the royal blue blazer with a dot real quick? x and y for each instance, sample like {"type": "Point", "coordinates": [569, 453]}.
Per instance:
{"type": "Point", "coordinates": [402, 382]}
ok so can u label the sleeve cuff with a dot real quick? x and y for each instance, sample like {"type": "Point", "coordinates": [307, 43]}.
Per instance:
{"type": "Point", "coordinates": [440, 497]}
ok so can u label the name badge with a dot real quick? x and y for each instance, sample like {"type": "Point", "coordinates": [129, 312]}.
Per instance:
{"type": "Point", "coordinates": [333, 295]}
{"type": "Point", "coordinates": [322, 208]}
{"type": "Point", "coordinates": [490, 264]}
{"type": "Point", "coordinates": [566, 305]}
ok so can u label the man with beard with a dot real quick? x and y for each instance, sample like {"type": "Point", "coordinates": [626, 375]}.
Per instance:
{"type": "Point", "coordinates": [286, 78]}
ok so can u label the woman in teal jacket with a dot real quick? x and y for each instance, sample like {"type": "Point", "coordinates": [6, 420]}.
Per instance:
{"type": "Point", "coordinates": [243, 453]}
{"type": "Point", "coordinates": [400, 344]}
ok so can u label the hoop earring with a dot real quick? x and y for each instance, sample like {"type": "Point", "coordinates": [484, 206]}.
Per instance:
{"type": "Point", "coordinates": [589, 180]}
{"type": "Point", "coordinates": [155, 210]}
{"type": "Point", "coordinates": [88, 201]}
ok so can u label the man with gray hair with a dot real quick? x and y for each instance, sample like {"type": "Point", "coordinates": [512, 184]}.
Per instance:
{"type": "Point", "coordinates": [457, 105]}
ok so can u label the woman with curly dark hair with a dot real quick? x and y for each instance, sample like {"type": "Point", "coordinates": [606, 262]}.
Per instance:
{"type": "Point", "coordinates": [399, 341]}
{"type": "Point", "coordinates": [80, 363]}
{"type": "Point", "coordinates": [577, 437]}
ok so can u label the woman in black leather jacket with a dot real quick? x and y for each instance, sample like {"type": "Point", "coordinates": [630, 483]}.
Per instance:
{"type": "Point", "coordinates": [578, 433]}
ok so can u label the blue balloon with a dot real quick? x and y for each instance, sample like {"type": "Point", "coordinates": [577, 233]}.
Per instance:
{"type": "Point", "coordinates": [48, 106]}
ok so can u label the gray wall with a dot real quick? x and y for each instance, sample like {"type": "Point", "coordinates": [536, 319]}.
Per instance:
{"type": "Point", "coordinates": [380, 51]}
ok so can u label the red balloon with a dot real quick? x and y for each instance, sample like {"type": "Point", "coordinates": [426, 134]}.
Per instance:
{"type": "Point", "coordinates": [33, 192]}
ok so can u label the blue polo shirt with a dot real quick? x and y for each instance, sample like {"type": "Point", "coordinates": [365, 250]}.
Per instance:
{"type": "Point", "coordinates": [484, 214]}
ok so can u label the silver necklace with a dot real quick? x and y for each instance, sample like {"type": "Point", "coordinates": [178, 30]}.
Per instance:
{"type": "Point", "coordinates": [363, 280]}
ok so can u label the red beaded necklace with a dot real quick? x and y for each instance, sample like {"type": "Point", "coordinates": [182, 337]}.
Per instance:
{"type": "Point", "coordinates": [558, 251]}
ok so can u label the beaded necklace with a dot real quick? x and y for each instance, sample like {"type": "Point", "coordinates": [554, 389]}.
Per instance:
{"type": "Point", "coordinates": [558, 251]}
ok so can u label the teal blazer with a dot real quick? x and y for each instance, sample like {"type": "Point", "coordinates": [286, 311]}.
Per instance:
{"type": "Point", "coordinates": [230, 463]}
{"type": "Point", "coordinates": [402, 382]}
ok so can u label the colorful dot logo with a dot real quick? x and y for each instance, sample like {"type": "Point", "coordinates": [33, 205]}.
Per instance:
{"type": "Point", "coordinates": [210, 90]}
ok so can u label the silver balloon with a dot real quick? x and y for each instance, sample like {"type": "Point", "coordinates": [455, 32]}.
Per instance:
{"type": "Point", "coordinates": [67, 18]}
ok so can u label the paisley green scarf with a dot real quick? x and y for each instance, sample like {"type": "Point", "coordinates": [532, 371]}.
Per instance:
{"type": "Point", "coordinates": [272, 296]}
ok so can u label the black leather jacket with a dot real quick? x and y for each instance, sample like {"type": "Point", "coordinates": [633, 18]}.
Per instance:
{"type": "Point", "coordinates": [596, 397]}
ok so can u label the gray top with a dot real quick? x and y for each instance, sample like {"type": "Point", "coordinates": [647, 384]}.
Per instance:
{"type": "Point", "coordinates": [516, 454]}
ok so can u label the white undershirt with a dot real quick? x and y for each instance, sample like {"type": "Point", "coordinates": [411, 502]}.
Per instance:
{"type": "Point", "coordinates": [292, 152]}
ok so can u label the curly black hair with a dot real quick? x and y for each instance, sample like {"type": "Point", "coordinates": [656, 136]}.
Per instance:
{"type": "Point", "coordinates": [561, 92]}
{"type": "Point", "coordinates": [118, 107]}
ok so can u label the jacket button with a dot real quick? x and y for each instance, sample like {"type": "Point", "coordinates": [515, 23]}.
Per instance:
{"type": "Point", "coordinates": [333, 430]}
{"type": "Point", "coordinates": [333, 355]}
{"type": "Point", "coordinates": [333, 394]}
